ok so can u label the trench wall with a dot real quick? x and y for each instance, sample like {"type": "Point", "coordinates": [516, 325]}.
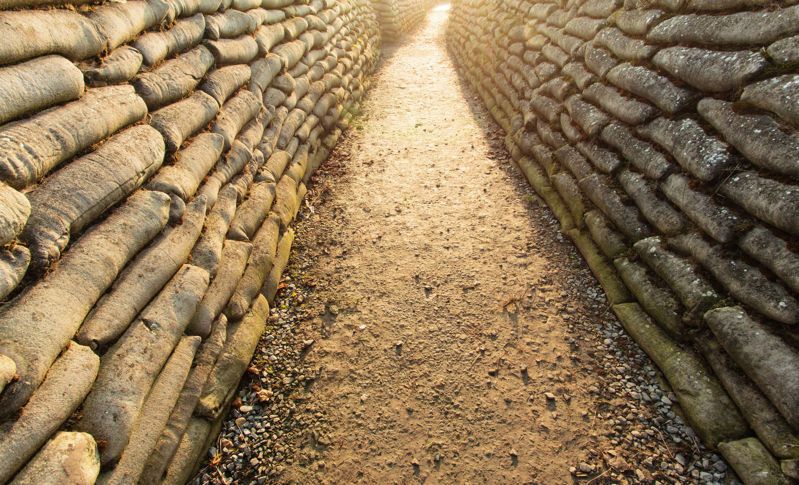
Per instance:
{"type": "Point", "coordinates": [397, 17]}
{"type": "Point", "coordinates": [663, 135]}
{"type": "Point", "coordinates": [153, 155]}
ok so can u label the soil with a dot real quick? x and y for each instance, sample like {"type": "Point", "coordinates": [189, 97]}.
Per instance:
{"type": "Point", "coordinates": [436, 327]}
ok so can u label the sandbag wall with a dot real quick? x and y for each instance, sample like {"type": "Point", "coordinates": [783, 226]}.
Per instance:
{"type": "Point", "coordinates": [396, 17]}
{"type": "Point", "coordinates": [663, 135]}
{"type": "Point", "coordinates": [153, 154]}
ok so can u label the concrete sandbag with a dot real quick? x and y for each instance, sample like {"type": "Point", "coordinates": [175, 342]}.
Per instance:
{"type": "Point", "coordinates": [228, 24]}
{"type": "Point", "coordinates": [67, 383]}
{"type": "Point", "coordinates": [32, 33]}
{"type": "Point", "coordinates": [657, 211]}
{"type": "Point", "coordinates": [119, 66]}
{"type": "Point", "coordinates": [141, 280]}
{"type": "Point", "coordinates": [609, 241]}
{"type": "Point", "coordinates": [762, 416]}
{"type": "Point", "coordinates": [231, 267]}
{"type": "Point", "coordinates": [223, 82]}
{"type": "Point", "coordinates": [281, 260]}
{"type": "Point", "coordinates": [157, 46]}
{"type": "Point", "coordinates": [765, 357]}
{"type": "Point", "coordinates": [168, 442]}
{"type": "Point", "coordinates": [13, 265]}
{"type": "Point", "coordinates": [174, 79]}
{"type": "Point", "coordinates": [641, 154]}
{"type": "Point", "coordinates": [767, 199]}
{"type": "Point", "coordinates": [208, 250]}
{"type": "Point", "coordinates": [234, 114]}
{"type": "Point", "coordinates": [121, 22]}
{"type": "Point", "coordinates": [753, 463]}
{"type": "Point", "coordinates": [154, 415]}
{"type": "Point", "coordinates": [190, 451]}
{"type": "Point", "coordinates": [32, 147]}
{"type": "Point", "coordinates": [624, 217]}
{"type": "Point", "coordinates": [36, 85]}
{"type": "Point", "coordinates": [38, 325]}
{"type": "Point", "coordinates": [241, 50]}
{"type": "Point", "coordinates": [259, 266]}
{"type": "Point", "coordinates": [774, 253]}
{"type": "Point", "coordinates": [76, 195]}
{"type": "Point", "coordinates": [130, 367]}
{"type": "Point", "coordinates": [658, 302]}
{"type": "Point", "coordinates": [180, 120]}
{"type": "Point", "coordinates": [15, 209]}
{"type": "Point", "coordinates": [252, 211]}
{"type": "Point", "coordinates": [243, 337]}
{"type": "Point", "coordinates": [67, 458]}
{"type": "Point", "coordinates": [192, 165]}
{"type": "Point", "coordinates": [705, 404]}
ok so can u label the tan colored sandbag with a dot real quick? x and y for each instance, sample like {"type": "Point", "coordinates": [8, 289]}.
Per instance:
{"type": "Point", "coordinates": [142, 279]}
{"type": "Point", "coordinates": [184, 34]}
{"type": "Point", "coordinates": [130, 367]}
{"type": "Point", "coordinates": [243, 337]}
{"type": "Point", "coordinates": [154, 415]}
{"type": "Point", "coordinates": [62, 391]}
{"type": "Point", "coordinates": [72, 198]}
{"type": "Point", "coordinates": [192, 165]}
{"type": "Point", "coordinates": [174, 79]}
{"type": "Point", "coordinates": [37, 84]}
{"type": "Point", "coordinates": [251, 213]}
{"type": "Point", "coordinates": [753, 463]}
{"type": "Point", "coordinates": [15, 209]}
{"type": "Point", "coordinates": [117, 67]}
{"type": "Point", "coordinates": [234, 114]}
{"type": "Point", "coordinates": [180, 120]}
{"type": "Point", "coordinates": [8, 371]}
{"type": "Point", "coordinates": [30, 148]}
{"type": "Point", "coordinates": [208, 250]}
{"type": "Point", "coordinates": [32, 33]}
{"type": "Point", "coordinates": [68, 458]}
{"type": "Point", "coordinates": [165, 449]}
{"type": "Point", "coordinates": [121, 22]}
{"type": "Point", "coordinates": [281, 260]}
{"type": "Point", "coordinates": [190, 451]}
{"type": "Point", "coordinates": [38, 325]}
{"type": "Point", "coordinates": [231, 267]}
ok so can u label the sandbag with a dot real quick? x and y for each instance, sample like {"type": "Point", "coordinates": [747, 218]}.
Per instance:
{"type": "Point", "coordinates": [15, 209]}
{"type": "Point", "coordinates": [174, 79]}
{"type": "Point", "coordinates": [119, 66]}
{"type": "Point", "coordinates": [38, 325]}
{"type": "Point", "coordinates": [141, 280]}
{"type": "Point", "coordinates": [251, 213]}
{"type": "Point", "coordinates": [192, 165]}
{"type": "Point", "coordinates": [233, 51]}
{"type": "Point", "coordinates": [67, 383]}
{"type": "Point", "coordinates": [32, 33]}
{"type": "Point", "coordinates": [234, 114]}
{"type": "Point", "coordinates": [208, 250]}
{"type": "Point", "coordinates": [180, 120]}
{"type": "Point", "coordinates": [753, 463]}
{"type": "Point", "coordinates": [76, 195]}
{"type": "Point", "coordinates": [231, 267]}
{"type": "Point", "coordinates": [38, 84]}
{"type": "Point", "coordinates": [243, 337]}
{"type": "Point", "coordinates": [32, 147]}
{"type": "Point", "coordinates": [154, 415]}
{"type": "Point", "coordinates": [8, 371]}
{"type": "Point", "coordinates": [192, 448]}
{"type": "Point", "coordinates": [223, 82]}
{"type": "Point", "coordinates": [281, 259]}
{"type": "Point", "coordinates": [68, 458]}
{"type": "Point", "coordinates": [157, 46]}
{"type": "Point", "coordinates": [130, 367]}
{"type": "Point", "coordinates": [121, 22]}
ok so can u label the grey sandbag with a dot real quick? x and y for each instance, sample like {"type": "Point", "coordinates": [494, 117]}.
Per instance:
{"type": "Point", "coordinates": [281, 260]}
{"type": "Point", "coordinates": [168, 442]}
{"type": "Point", "coordinates": [190, 451]}
{"type": "Point", "coordinates": [67, 383]}
{"type": "Point", "coordinates": [154, 415]}
{"type": "Point", "coordinates": [763, 355]}
{"type": "Point", "coordinates": [32, 33]}
{"type": "Point", "coordinates": [767, 199]}
{"type": "Point", "coordinates": [208, 250]}
{"type": "Point", "coordinates": [180, 120]}
{"type": "Point", "coordinates": [121, 22]}
{"type": "Point", "coordinates": [753, 463]}
{"type": "Point", "coordinates": [715, 220]}
{"type": "Point", "coordinates": [192, 165]}
{"type": "Point", "coordinates": [37, 84]}
{"type": "Point", "coordinates": [32, 147]}
{"type": "Point", "coordinates": [76, 195]}
{"type": "Point", "coordinates": [658, 302]}
{"type": "Point", "coordinates": [262, 257]}
{"type": "Point", "coordinates": [129, 368]}
{"type": "Point", "coordinates": [14, 212]}
{"type": "Point", "coordinates": [707, 407]}
{"type": "Point", "coordinates": [231, 266]}
{"type": "Point", "coordinates": [251, 213]}
{"type": "Point", "coordinates": [243, 337]}
{"type": "Point", "coordinates": [234, 114]}
{"type": "Point", "coordinates": [157, 46]}
{"type": "Point", "coordinates": [119, 66]}
{"type": "Point", "coordinates": [38, 325]}
{"type": "Point", "coordinates": [223, 82]}
{"type": "Point", "coordinates": [141, 280]}
{"type": "Point", "coordinates": [69, 457]}
{"type": "Point", "coordinates": [174, 79]}
{"type": "Point", "coordinates": [773, 253]}
{"type": "Point", "coordinates": [762, 416]}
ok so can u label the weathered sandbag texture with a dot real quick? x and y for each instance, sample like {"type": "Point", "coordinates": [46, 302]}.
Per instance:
{"type": "Point", "coordinates": [397, 17]}
{"type": "Point", "coordinates": [140, 215]}
{"type": "Point", "coordinates": [664, 135]}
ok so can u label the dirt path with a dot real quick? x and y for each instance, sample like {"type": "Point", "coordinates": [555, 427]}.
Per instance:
{"type": "Point", "coordinates": [436, 327]}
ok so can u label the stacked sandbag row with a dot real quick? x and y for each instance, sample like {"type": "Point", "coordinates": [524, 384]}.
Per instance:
{"type": "Point", "coordinates": [397, 17]}
{"type": "Point", "coordinates": [153, 154]}
{"type": "Point", "coordinates": [664, 136]}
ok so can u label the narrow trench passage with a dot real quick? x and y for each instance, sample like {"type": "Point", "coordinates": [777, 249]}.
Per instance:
{"type": "Point", "coordinates": [437, 327]}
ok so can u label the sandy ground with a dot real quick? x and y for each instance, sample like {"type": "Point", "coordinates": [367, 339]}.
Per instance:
{"type": "Point", "coordinates": [437, 326]}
